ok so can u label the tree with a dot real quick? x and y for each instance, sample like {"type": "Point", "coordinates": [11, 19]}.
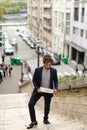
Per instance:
{"type": "Point", "coordinates": [16, 6]}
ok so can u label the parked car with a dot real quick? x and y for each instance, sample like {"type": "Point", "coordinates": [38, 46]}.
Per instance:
{"type": "Point", "coordinates": [28, 42]}
{"type": "Point", "coordinates": [6, 41]}
{"type": "Point", "coordinates": [21, 33]}
{"type": "Point", "coordinates": [14, 42]}
{"type": "Point", "coordinates": [5, 35]}
{"type": "Point", "coordinates": [56, 61]}
{"type": "Point", "coordinates": [55, 58]}
{"type": "Point", "coordinates": [8, 49]}
{"type": "Point", "coordinates": [32, 45]}
{"type": "Point", "coordinates": [25, 37]}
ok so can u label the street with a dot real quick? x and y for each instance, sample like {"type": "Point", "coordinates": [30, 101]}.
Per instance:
{"type": "Point", "coordinates": [10, 84]}
{"type": "Point", "coordinates": [24, 51]}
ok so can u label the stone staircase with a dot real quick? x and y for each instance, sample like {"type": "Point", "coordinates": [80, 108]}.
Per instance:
{"type": "Point", "coordinates": [14, 115]}
{"type": "Point", "coordinates": [13, 111]}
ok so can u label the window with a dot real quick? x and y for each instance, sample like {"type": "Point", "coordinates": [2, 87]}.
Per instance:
{"type": "Point", "coordinates": [68, 23]}
{"type": "Point", "coordinates": [55, 18]}
{"type": "Point", "coordinates": [81, 32]}
{"type": "Point", "coordinates": [76, 14]}
{"type": "Point", "coordinates": [67, 30]}
{"type": "Point", "coordinates": [62, 21]}
{"type": "Point", "coordinates": [86, 35]}
{"type": "Point", "coordinates": [75, 30]}
{"type": "Point", "coordinates": [82, 15]}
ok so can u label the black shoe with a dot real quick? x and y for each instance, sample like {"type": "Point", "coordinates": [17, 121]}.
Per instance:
{"type": "Point", "coordinates": [32, 125]}
{"type": "Point", "coordinates": [46, 122]}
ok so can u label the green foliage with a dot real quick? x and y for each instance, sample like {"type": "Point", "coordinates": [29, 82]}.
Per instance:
{"type": "Point", "coordinates": [11, 7]}
{"type": "Point", "coordinates": [66, 78]}
{"type": "Point", "coordinates": [12, 10]}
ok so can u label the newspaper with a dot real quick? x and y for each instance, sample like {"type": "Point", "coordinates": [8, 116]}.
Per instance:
{"type": "Point", "coordinates": [46, 90]}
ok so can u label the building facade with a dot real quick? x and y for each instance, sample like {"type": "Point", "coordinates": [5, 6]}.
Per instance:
{"type": "Point", "coordinates": [35, 19]}
{"type": "Point", "coordinates": [79, 32]}
{"type": "Point", "coordinates": [61, 22]}
{"type": "Point", "coordinates": [61, 25]}
{"type": "Point", "coordinates": [39, 21]}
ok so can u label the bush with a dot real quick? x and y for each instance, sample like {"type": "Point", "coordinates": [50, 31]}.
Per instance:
{"type": "Point", "coordinates": [66, 78]}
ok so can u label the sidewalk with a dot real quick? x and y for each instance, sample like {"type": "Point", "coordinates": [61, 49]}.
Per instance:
{"type": "Point", "coordinates": [63, 69]}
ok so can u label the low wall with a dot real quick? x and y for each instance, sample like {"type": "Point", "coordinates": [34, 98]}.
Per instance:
{"type": "Point", "coordinates": [71, 104]}
{"type": "Point", "coordinates": [73, 84]}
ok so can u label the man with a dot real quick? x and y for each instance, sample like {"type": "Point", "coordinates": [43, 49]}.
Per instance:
{"type": "Point", "coordinates": [44, 77]}
{"type": "Point", "coordinates": [3, 58]}
{"type": "Point", "coordinates": [1, 75]}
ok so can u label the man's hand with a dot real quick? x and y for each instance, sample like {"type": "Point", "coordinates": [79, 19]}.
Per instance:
{"type": "Point", "coordinates": [39, 90]}
{"type": "Point", "coordinates": [55, 91]}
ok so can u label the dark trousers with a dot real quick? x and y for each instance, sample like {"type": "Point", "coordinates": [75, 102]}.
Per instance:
{"type": "Point", "coordinates": [34, 98]}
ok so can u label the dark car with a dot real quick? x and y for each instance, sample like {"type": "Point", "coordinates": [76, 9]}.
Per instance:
{"type": "Point", "coordinates": [56, 60]}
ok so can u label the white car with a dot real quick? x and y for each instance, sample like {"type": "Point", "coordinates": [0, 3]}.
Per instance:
{"type": "Point", "coordinates": [8, 49]}
{"type": "Point", "coordinates": [13, 42]}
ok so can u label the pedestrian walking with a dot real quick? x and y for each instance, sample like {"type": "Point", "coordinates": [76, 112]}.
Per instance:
{"type": "Point", "coordinates": [26, 77]}
{"type": "Point", "coordinates": [76, 69]}
{"type": "Point", "coordinates": [3, 58]}
{"type": "Point", "coordinates": [3, 68]}
{"type": "Point", "coordinates": [6, 68]}
{"type": "Point", "coordinates": [1, 75]}
{"type": "Point", "coordinates": [9, 70]}
{"type": "Point", "coordinates": [45, 77]}
{"type": "Point", "coordinates": [84, 69]}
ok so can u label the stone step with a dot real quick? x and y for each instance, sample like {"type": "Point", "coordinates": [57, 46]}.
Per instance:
{"type": "Point", "coordinates": [14, 115]}
{"type": "Point", "coordinates": [13, 100]}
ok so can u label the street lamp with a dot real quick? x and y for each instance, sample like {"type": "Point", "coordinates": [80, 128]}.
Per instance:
{"type": "Point", "coordinates": [38, 43]}
{"type": "Point", "coordinates": [21, 72]}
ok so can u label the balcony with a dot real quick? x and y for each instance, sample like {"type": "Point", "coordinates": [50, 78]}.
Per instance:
{"type": "Point", "coordinates": [47, 5]}
{"type": "Point", "coordinates": [47, 26]}
{"type": "Point", "coordinates": [47, 15]}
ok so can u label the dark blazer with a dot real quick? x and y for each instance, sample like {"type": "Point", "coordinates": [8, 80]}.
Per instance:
{"type": "Point", "coordinates": [37, 77]}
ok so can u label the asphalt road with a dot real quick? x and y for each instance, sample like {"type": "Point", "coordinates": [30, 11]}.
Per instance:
{"type": "Point", "coordinates": [10, 84]}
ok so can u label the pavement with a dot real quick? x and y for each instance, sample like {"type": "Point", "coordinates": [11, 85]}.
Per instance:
{"type": "Point", "coordinates": [14, 114]}
{"type": "Point", "coordinates": [63, 69]}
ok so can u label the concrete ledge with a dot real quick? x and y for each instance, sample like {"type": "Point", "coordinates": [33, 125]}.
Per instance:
{"type": "Point", "coordinates": [22, 84]}
{"type": "Point", "coordinates": [73, 84]}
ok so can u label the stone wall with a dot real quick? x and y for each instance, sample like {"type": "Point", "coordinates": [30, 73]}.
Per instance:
{"type": "Point", "coordinates": [71, 104]}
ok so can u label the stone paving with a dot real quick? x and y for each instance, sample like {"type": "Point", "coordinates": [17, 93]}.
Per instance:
{"type": "Point", "coordinates": [14, 115]}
